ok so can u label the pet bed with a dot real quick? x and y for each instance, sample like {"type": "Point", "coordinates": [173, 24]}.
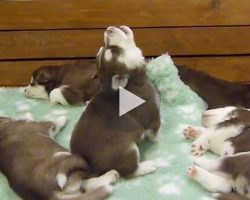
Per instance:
{"type": "Point", "coordinates": [179, 107]}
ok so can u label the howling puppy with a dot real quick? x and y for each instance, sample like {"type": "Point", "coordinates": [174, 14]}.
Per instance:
{"type": "Point", "coordinates": [68, 84]}
{"type": "Point", "coordinates": [227, 132]}
{"type": "Point", "coordinates": [104, 139]}
{"type": "Point", "coordinates": [224, 176]}
{"type": "Point", "coordinates": [37, 168]}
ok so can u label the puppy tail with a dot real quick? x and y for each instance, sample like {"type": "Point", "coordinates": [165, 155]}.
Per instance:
{"type": "Point", "coordinates": [68, 165]}
{"type": "Point", "coordinates": [229, 196]}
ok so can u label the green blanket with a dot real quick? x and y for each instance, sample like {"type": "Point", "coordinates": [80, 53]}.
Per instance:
{"type": "Point", "coordinates": [179, 107]}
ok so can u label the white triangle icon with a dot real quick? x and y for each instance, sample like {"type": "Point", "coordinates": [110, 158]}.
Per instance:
{"type": "Point", "coordinates": [128, 101]}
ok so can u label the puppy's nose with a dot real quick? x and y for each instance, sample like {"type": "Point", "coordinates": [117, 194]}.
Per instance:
{"type": "Point", "coordinates": [25, 90]}
{"type": "Point", "coordinates": [110, 29]}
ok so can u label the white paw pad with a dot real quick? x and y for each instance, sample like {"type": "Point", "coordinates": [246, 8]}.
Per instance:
{"type": "Point", "coordinates": [192, 172]}
{"type": "Point", "coordinates": [199, 148]}
{"type": "Point", "coordinates": [191, 133]}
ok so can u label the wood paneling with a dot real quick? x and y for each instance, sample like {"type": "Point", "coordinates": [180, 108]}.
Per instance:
{"type": "Point", "coordinates": [236, 69]}
{"type": "Point", "coordinates": [153, 41]}
{"type": "Point", "coordinates": [208, 35]}
{"type": "Point", "coordinates": [65, 14]}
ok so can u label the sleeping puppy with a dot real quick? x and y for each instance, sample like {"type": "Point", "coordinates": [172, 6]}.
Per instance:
{"type": "Point", "coordinates": [68, 84]}
{"type": "Point", "coordinates": [103, 138]}
{"type": "Point", "coordinates": [224, 176]}
{"type": "Point", "coordinates": [37, 168]}
{"type": "Point", "coordinates": [227, 132]}
{"type": "Point", "coordinates": [216, 92]}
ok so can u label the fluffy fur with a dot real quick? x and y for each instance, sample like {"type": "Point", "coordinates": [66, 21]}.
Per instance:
{"type": "Point", "coordinates": [216, 92]}
{"type": "Point", "coordinates": [68, 84]}
{"type": "Point", "coordinates": [103, 138]}
{"type": "Point", "coordinates": [224, 176]}
{"type": "Point", "coordinates": [37, 168]}
{"type": "Point", "coordinates": [227, 132]}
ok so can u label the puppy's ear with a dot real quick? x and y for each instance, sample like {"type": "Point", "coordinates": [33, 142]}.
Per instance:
{"type": "Point", "coordinates": [43, 77]}
{"type": "Point", "coordinates": [119, 81]}
{"type": "Point", "coordinates": [46, 74]}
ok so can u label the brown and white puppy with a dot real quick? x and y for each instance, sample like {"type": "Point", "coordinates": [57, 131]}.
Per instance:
{"type": "Point", "coordinates": [68, 84]}
{"type": "Point", "coordinates": [37, 168]}
{"type": "Point", "coordinates": [224, 176]}
{"type": "Point", "coordinates": [227, 132]}
{"type": "Point", "coordinates": [104, 139]}
{"type": "Point", "coordinates": [216, 92]}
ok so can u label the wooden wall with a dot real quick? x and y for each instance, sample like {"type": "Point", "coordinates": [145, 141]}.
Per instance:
{"type": "Point", "coordinates": [210, 35]}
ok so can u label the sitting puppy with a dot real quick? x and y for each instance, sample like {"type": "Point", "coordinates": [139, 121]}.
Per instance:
{"type": "Point", "coordinates": [216, 92]}
{"type": "Point", "coordinates": [37, 168]}
{"type": "Point", "coordinates": [224, 176]}
{"type": "Point", "coordinates": [72, 84]}
{"type": "Point", "coordinates": [103, 138]}
{"type": "Point", "coordinates": [227, 132]}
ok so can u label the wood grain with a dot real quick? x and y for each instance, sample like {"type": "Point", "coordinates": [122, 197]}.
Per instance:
{"type": "Point", "coordinates": [64, 14]}
{"type": "Point", "coordinates": [153, 41]}
{"type": "Point", "coordinates": [235, 69]}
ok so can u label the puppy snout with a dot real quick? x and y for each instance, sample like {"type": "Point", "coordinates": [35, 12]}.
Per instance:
{"type": "Point", "coordinates": [125, 29]}
{"type": "Point", "coordinates": [110, 29]}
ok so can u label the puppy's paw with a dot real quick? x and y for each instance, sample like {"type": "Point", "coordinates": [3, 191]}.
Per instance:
{"type": "Point", "coordinates": [150, 136]}
{"type": "Point", "coordinates": [145, 167]}
{"type": "Point", "coordinates": [28, 117]}
{"type": "Point", "coordinates": [199, 147]}
{"type": "Point", "coordinates": [56, 96]}
{"type": "Point", "coordinates": [102, 192]}
{"type": "Point", "coordinates": [191, 133]}
{"type": "Point", "coordinates": [60, 122]}
{"type": "Point", "coordinates": [114, 176]}
{"type": "Point", "coordinates": [192, 172]}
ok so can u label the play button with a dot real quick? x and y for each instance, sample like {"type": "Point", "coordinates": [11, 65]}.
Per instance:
{"type": "Point", "coordinates": [128, 101]}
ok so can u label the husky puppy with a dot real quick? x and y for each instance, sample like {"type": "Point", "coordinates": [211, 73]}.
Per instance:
{"type": "Point", "coordinates": [37, 168]}
{"type": "Point", "coordinates": [101, 136]}
{"type": "Point", "coordinates": [226, 132]}
{"type": "Point", "coordinates": [67, 84]}
{"type": "Point", "coordinates": [224, 176]}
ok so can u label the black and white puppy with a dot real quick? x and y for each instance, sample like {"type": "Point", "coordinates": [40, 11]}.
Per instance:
{"type": "Point", "coordinates": [37, 168]}
{"type": "Point", "coordinates": [101, 136]}
{"type": "Point", "coordinates": [227, 176]}
{"type": "Point", "coordinates": [226, 132]}
{"type": "Point", "coordinates": [68, 84]}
